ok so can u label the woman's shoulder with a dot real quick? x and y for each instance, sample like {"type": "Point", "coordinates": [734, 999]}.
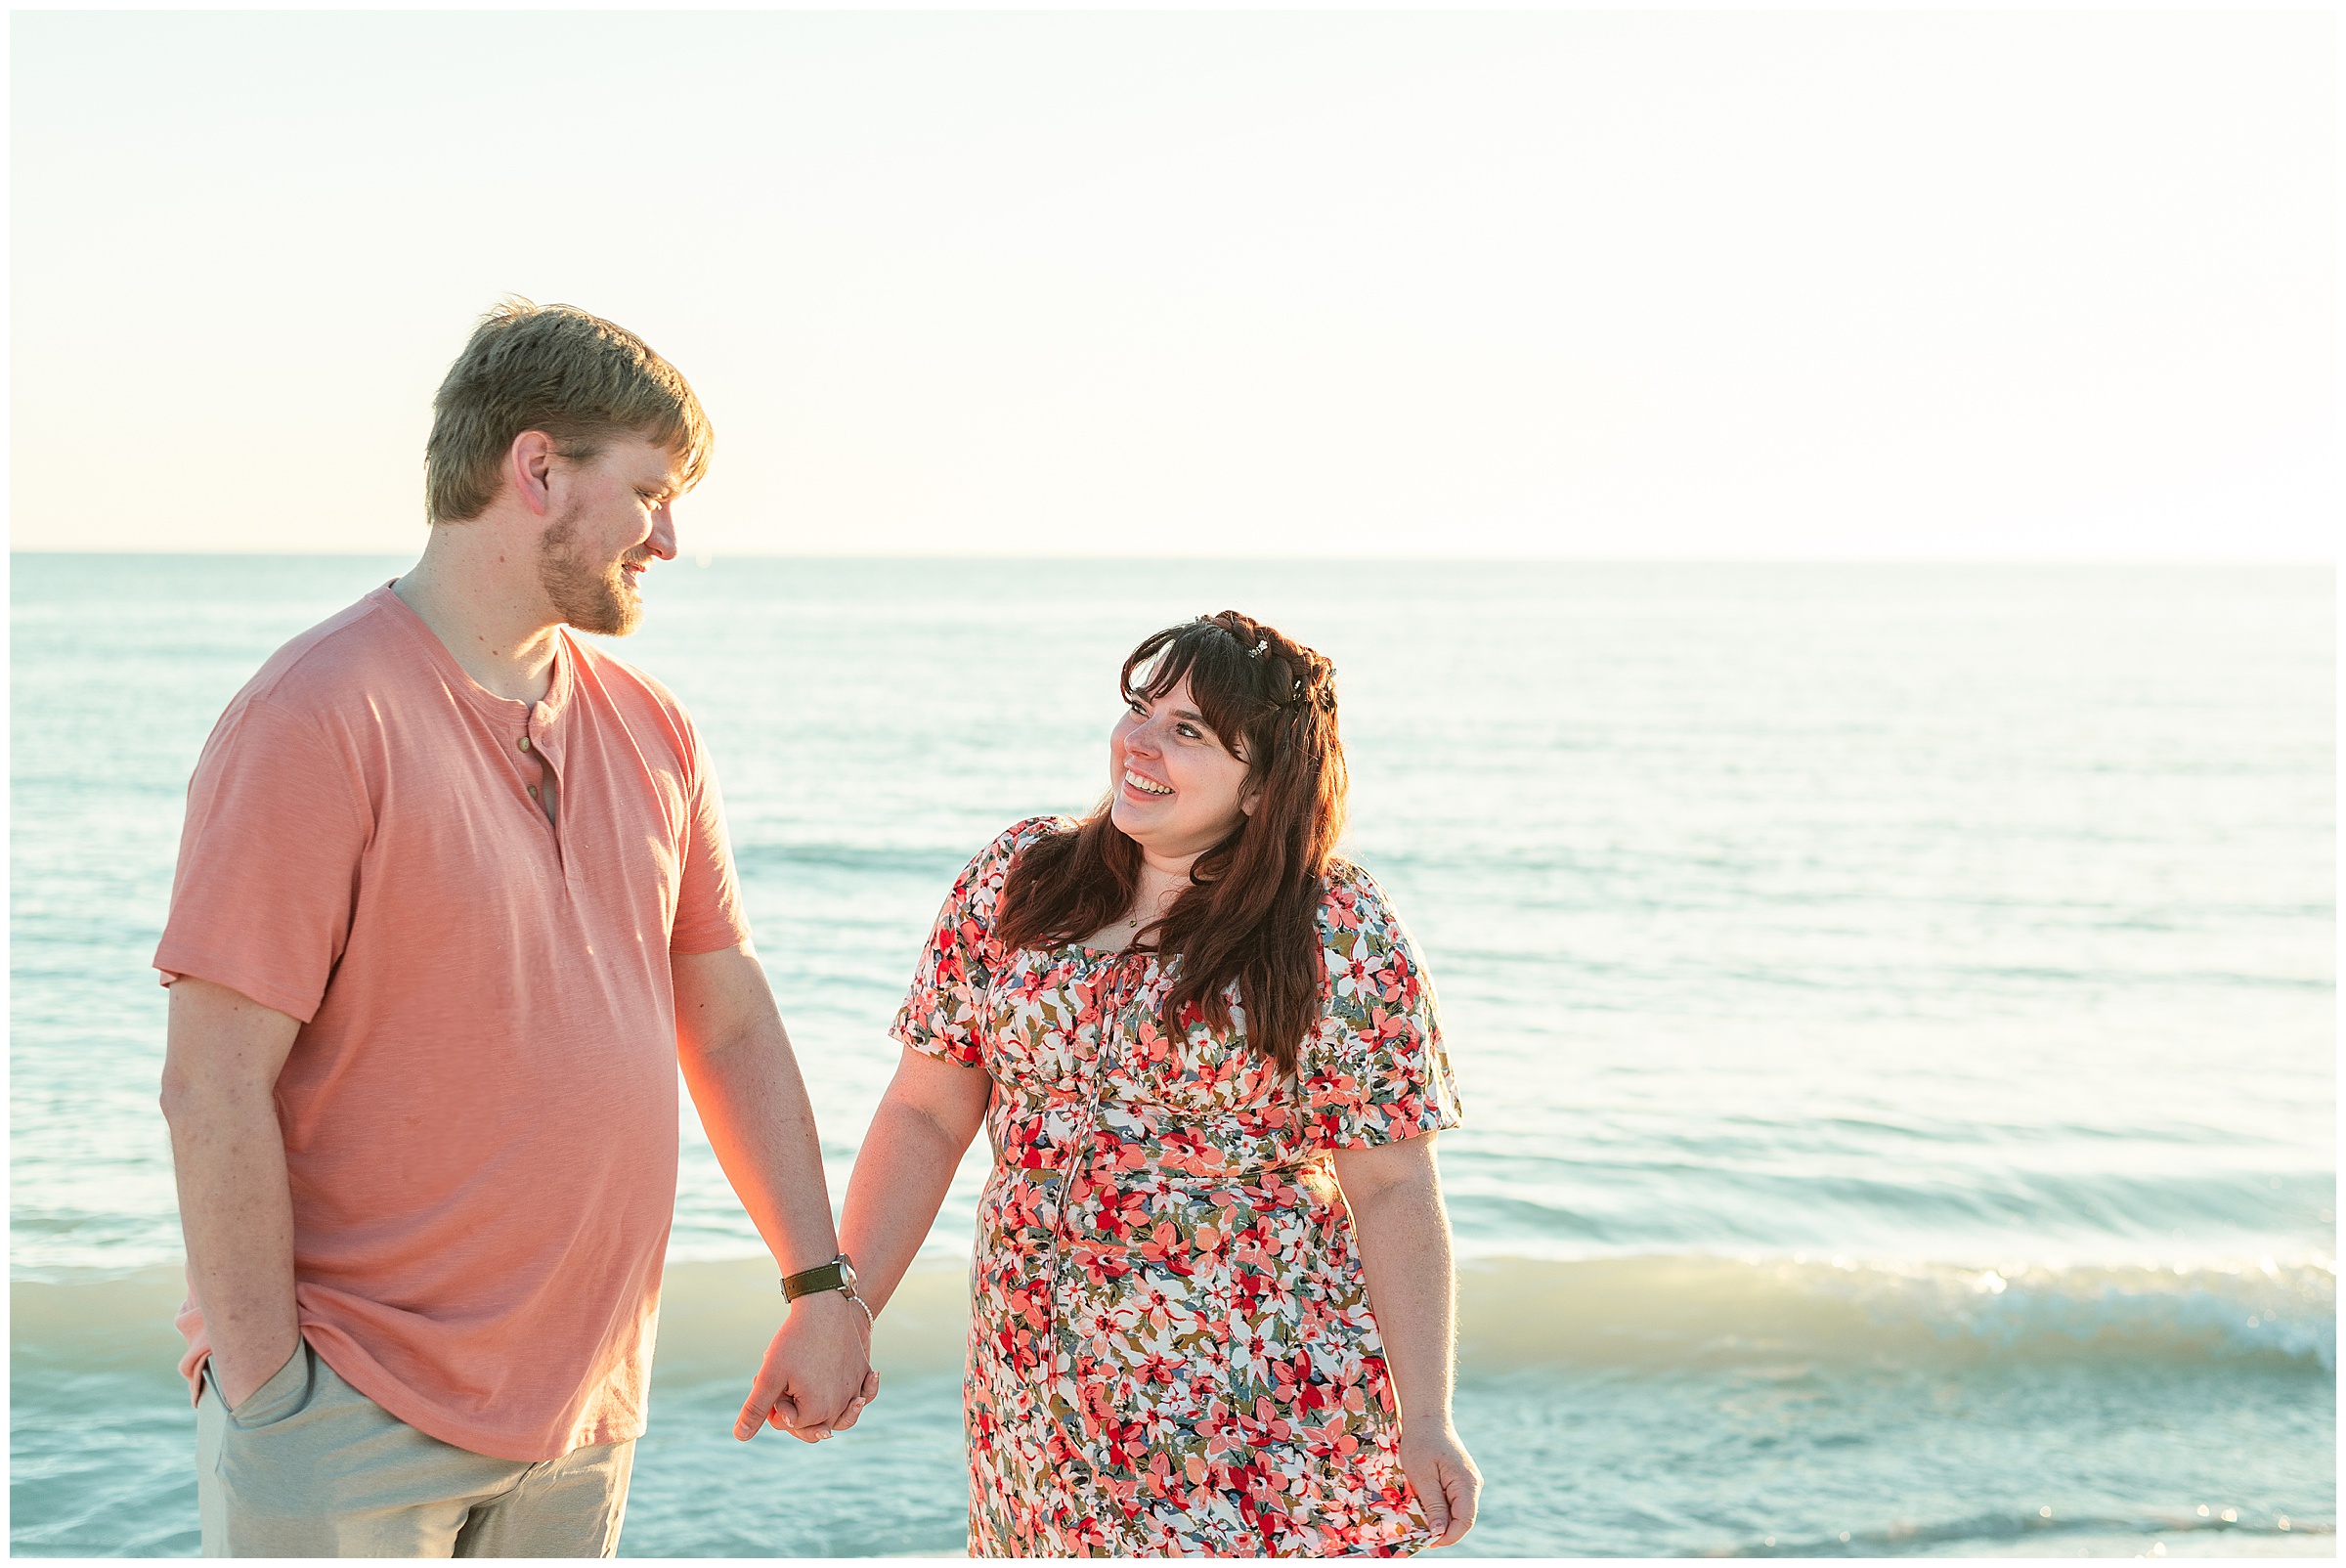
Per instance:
{"type": "Point", "coordinates": [991, 864]}
{"type": "Point", "coordinates": [1026, 830]}
{"type": "Point", "coordinates": [1352, 900]}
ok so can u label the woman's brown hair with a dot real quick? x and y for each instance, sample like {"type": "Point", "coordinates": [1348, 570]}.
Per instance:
{"type": "Point", "coordinates": [1251, 912]}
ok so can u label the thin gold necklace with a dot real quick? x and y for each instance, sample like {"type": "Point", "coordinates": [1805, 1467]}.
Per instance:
{"type": "Point", "coordinates": [1134, 924]}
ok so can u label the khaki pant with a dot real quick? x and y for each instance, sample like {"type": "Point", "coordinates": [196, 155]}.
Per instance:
{"type": "Point", "coordinates": [308, 1466]}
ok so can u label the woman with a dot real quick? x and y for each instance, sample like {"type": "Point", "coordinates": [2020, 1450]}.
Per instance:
{"type": "Point", "coordinates": [1210, 1070]}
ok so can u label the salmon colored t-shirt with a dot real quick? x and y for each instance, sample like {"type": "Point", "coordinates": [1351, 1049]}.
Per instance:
{"type": "Point", "coordinates": [480, 1109]}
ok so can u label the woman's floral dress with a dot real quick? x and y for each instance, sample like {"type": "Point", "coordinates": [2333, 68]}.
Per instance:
{"type": "Point", "coordinates": [1171, 1350]}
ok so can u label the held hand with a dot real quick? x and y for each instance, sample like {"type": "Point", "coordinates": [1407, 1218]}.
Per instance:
{"type": "Point", "coordinates": [1445, 1479]}
{"type": "Point", "coordinates": [817, 1374]}
{"type": "Point", "coordinates": [871, 1379]}
{"type": "Point", "coordinates": [869, 1392]}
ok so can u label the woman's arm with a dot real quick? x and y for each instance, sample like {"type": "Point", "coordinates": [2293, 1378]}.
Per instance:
{"type": "Point", "coordinates": [1395, 1196]}
{"type": "Point", "coordinates": [932, 1110]}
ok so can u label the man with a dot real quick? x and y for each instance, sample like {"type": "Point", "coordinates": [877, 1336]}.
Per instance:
{"type": "Point", "coordinates": [454, 901]}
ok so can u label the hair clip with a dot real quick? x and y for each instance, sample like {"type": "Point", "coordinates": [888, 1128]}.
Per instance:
{"type": "Point", "coordinates": [1256, 652]}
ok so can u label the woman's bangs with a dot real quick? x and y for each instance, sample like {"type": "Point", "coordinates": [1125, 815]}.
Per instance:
{"type": "Point", "coordinates": [1216, 671]}
{"type": "Point", "coordinates": [1151, 675]}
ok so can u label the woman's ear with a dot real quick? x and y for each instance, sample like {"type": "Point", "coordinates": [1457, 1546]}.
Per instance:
{"type": "Point", "coordinates": [1250, 801]}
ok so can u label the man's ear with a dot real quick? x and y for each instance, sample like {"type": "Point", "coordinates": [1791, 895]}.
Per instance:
{"type": "Point", "coordinates": [529, 465]}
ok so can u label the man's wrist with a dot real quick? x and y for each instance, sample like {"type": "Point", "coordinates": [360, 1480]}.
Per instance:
{"type": "Point", "coordinates": [243, 1346]}
{"type": "Point", "coordinates": [835, 1273]}
{"type": "Point", "coordinates": [845, 1301]}
{"type": "Point", "coordinates": [819, 1299]}
{"type": "Point", "coordinates": [836, 1277]}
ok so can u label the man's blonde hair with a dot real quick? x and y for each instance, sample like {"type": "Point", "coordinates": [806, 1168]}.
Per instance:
{"type": "Point", "coordinates": [578, 378]}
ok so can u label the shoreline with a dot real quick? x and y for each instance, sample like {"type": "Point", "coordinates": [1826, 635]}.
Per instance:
{"type": "Point", "coordinates": [1646, 1314]}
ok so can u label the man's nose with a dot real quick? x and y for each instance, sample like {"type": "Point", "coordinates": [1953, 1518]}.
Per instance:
{"type": "Point", "coordinates": [664, 532]}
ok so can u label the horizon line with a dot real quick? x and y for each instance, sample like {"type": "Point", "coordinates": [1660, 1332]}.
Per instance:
{"type": "Point", "coordinates": [706, 559]}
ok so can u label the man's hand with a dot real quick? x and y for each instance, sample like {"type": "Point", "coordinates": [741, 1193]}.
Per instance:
{"type": "Point", "coordinates": [817, 1376]}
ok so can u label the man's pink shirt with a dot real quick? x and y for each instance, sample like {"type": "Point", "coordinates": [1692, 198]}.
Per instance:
{"type": "Point", "coordinates": [480, 1109]}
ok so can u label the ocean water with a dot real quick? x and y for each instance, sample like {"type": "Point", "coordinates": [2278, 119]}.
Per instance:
{"type": "Point", "coordinates": [1894, 1008]}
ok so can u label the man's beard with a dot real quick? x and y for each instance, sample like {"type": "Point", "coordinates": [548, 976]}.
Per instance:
{"type": "Point", "coordinates": [601, 601]}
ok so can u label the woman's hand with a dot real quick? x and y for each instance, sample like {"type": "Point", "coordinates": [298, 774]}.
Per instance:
{"type": "Point", "coordinates": [1443, 1475]}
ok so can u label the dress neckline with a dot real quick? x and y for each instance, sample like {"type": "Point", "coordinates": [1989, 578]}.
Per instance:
{"type": "Point", "coordinates": [1090, 952]}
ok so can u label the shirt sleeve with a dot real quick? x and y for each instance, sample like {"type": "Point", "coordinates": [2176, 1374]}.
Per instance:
{"type": "Point", "coordinates": [943, 1012]}
{"type": "Point", "coordinates": [709, 915]}
{"type": "Point", "coordinates": [269, 858]}
{"type": "Point", "coordinates": [1376, 1071]}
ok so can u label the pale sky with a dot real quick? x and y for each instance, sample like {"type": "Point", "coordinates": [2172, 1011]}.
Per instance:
{"type": "Point", "coordinates": [1573, 283]}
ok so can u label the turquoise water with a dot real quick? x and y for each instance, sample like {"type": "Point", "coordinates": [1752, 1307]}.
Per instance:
{"type": "Point", "coordinates": [1893, 1008]}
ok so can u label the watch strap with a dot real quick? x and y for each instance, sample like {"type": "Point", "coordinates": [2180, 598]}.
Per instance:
{"type": "Point", "coordinates": [829, 1276]}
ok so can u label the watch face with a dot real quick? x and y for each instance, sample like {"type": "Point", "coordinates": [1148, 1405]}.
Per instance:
{"type": "Point", "coordinates": [846, 1274]}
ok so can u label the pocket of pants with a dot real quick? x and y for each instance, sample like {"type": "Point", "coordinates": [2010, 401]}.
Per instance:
{"type": "Point", "coordinates": [286, 1392]}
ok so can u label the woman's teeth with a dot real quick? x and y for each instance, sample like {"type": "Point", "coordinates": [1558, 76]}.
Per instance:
{"type": "Point", "coordinates": [1145, 786]}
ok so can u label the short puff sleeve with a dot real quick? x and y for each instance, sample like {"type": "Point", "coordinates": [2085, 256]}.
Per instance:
{"type": "Point", "coordinates": [1374, 1072]}
{"type": "Point", "coordinates": [943, 1012]}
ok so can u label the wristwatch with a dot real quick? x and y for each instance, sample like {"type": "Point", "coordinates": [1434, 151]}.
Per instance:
{"type": "Point", "coordinates": [836, 1275]}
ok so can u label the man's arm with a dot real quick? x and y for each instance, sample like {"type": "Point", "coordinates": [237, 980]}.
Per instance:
{"type": "Point", "coordinates": [223, 1052]}
{"type": "Point", "coordinates": [745, 1082]}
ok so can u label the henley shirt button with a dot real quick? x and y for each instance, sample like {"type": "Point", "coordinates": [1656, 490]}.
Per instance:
{"type": "Point", "coordinates": [533, 791]}
{"type": "Point", "coordinates": [523, 743]}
